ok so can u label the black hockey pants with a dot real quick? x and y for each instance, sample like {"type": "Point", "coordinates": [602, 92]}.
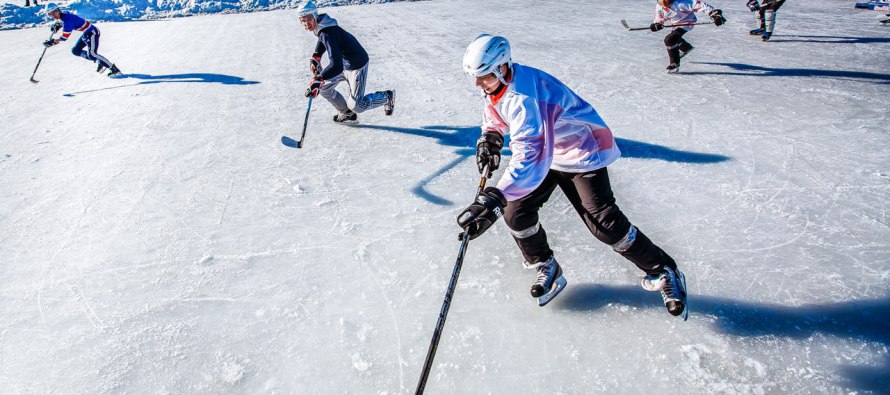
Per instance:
{"type": "Point", "coordinates": [675, 43]}
{"type": "Point", "coordinates": [591, 195]}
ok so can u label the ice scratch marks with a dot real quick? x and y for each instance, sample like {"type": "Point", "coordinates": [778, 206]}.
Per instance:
{"type": "Point", "coordinates": [361, 254]}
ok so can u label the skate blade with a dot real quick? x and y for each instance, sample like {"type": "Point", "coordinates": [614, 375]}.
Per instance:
{"type": "Point", "coordinates": [557, 288]}
{"type": "Point", "coordinates": [685, 313]}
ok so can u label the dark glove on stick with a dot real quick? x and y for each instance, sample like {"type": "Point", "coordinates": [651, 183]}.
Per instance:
{"type": "Point", "coordinates": [483, 213]}
{"type": "Point", "coordinates": [717, 17]}
{"type": "Point", "coordinates": [656, 27]}
{"type": "Point", "coordinates": [314, 86]}
{"type": "Point", "coordinates": [49, 43]}
{"type": "Point", "coordinates": [488, 151]}
{"type": "Point", "coordinates": [56, 27]}
{"type": "Point", "coordinates": [315, 65]}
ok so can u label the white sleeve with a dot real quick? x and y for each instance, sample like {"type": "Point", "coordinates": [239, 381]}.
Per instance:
{"type": "Point", "coordinates": [702, 7]}
{"type": "Point", "coordinates": [659, 15]}
{"type": "Point", "coordinates": [492, 122]}
{"type": "Point", "coordinates": [532, 153]}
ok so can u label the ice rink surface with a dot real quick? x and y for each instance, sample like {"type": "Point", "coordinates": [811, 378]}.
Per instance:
{"type": "Point", "coordinates": [157, 237]}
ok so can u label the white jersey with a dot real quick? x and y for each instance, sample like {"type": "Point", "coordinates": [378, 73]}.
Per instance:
{"type": "Point", "coordinates": [681, 12]}
{"type": "Point", "coordinates": [550, 127]}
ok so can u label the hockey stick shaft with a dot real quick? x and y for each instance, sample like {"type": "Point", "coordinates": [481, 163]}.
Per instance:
{"type": "Point", "coordinates": [626, 26]}
{"type": "Point", "coordinates": [41, 58]}
{"type": "Point", "coordinates": [446, 304]}
{"type": "Point", "coordinates": [305, 123]}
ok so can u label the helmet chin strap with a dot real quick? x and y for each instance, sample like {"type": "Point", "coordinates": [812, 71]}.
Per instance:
{"type": "Point", "coordinates": [502, 78]}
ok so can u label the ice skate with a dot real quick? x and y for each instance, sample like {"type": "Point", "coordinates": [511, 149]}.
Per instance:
{"type": "Point", "coordinates": [114, 72]}
{"type": "Point", "coordinates": [390, 102]}
{"type": "Point", "coordinates": [672, 284]}
{"type": "Point", "coordinates": [100, 69]}
{"type": "Point", "coordinates": [673, 68]}
{"type": "Point", "coordinates": [766, 36]}
{"type": "Point", "coordinates": [756, 32]}
{"type": "Point", "coordinates": [346, 117]}
{"type": "Point", "coordinates": [550, 281]}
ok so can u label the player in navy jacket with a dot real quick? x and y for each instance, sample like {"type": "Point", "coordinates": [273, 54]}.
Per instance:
{"type": "Point", "coordinates": [88, 45]}
{"type": "Point", "coordinates": [348, 62]}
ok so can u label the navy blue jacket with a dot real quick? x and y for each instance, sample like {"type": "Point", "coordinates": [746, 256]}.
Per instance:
{"type": "Point", "coordinates": [344, 51]}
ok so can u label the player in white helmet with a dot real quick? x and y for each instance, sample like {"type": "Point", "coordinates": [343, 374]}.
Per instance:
{"type": "Point", "coordinates": [348, 62]}
{"type": "Point", "coordinates": [557, 140]}
{"type": "Point", "coordinates": [681, 13]}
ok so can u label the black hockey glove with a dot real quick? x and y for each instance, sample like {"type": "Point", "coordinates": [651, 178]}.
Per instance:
{"type": "Point", "coordinates": [488, 151]}
{"type": "Point", "coordinates": [314, 86]}
{"type": "Point", "coordinates": [483, 213]}
{"type": "Point", "coordinates": [315, 65]}
{"type": "Point", "coordinates": [56, 27]}
{"type": "Point", "coordinates": [753, 5]}
{"type": "Point", "coordinates": [656, 27]}
{"type": "Point", "coordinates": [49, 43]}
{"type": "Point", "coordinates": [717, 17]}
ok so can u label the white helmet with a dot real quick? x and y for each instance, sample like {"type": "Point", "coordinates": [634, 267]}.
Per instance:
{"type": "Point", "coordinates": [486, 54]}
{"type": "Point", "coordinates": [50, 7]}
{"type": "Point", "coordinates": [308, 8]}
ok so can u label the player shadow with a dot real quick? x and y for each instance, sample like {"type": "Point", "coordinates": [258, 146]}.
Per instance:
{"type": "Point", "coordinates": [791, 38]}
{"type": "Point", "coordinates": [759, 71]}
{"type": "Point", "coordinates": [463, 139]}
{"type": "Point", "coordinates": [146, 79]}
{"type": "Point", "coordinates": [863, 320]}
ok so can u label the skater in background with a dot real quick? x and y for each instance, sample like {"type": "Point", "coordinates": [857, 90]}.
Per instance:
{"type": "Point", "coordinates": [87, 46]}
{"type": "Point", "coordinates": [28, 3]}
{"type": "Point", "coordinates": [557, 140]}
{"type": "Point", "coordinates": [681, 12]}
{"type": "Point", "coordinates": [347, 61]}
{"type": "Point", "coordinates": [765, 12]}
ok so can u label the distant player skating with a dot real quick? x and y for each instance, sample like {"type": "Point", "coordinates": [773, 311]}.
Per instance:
{"type": "Point", "coordinates": [557, 140]}
{"type": "Point", "coordinates": [348, 62]}
{"type": "Point", "coordinates": [766, 16]}
{"type": "Point", "coordinates": [681, 14]}
{"type": "Point", "coordinates": [88, 45]}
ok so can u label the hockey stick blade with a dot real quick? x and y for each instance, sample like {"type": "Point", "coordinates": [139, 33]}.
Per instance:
{"type": "Point", "coordinates": [33, 80]}
{"type": "Point", "coordinates": [626, 26]}
{"type": "Point", "coordinates": [291, 142]}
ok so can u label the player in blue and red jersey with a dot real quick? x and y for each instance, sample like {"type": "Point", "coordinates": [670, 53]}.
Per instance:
{"type": "Point", "coordinates": [88, 45]}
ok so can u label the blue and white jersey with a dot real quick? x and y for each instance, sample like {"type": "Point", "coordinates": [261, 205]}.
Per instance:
{"type": "Point", "coordinates": [71, 22]}
{"type": "Point", "coordinates": [550, 127]}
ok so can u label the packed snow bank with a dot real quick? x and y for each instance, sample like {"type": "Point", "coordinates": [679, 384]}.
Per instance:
{"type": "Point", "coordinates": [16, 17]}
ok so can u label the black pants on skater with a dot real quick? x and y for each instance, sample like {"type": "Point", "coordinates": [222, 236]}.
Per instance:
{"type": "Point", "coordinates": [675, 43]}
{"type": "Point", "coordinates": [591, 195]}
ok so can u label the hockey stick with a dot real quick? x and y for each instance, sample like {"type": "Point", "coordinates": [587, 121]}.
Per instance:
{"type": "Point", "coordinates": [299, 144]}
{"type": "Point", "coordinates": [434, 344]}
{"type": "Point", "coordinates": [626, 26]}
{"type": "Point", "coordinates": [41, 59]}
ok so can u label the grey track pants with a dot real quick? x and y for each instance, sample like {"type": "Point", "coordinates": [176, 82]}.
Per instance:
{"type": "Point", "coordinates": [356, 80]}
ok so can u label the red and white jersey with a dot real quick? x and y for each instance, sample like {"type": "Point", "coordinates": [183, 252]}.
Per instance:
{"type": "Point", "coordinates": [681, 12]}
{"type": "Point", "coordinates": [550, 127]}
